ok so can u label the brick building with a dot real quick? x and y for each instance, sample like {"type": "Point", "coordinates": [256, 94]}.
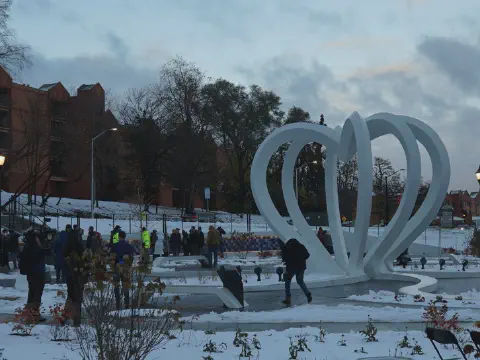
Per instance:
{"type": "Point", "coordinates": [45, 134]}
{"type": "Point", "coordinates": [465, 204]}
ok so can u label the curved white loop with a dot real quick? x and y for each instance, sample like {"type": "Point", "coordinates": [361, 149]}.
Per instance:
{"type": "Point", "coordinates": [333, 210]}
{"type": "Point", "coordinates": [355, 138]}
{"type": "Point", "coordinates": [320, 261]}
{"type": "Point", "coordinates": [305, 230]}
{"type": "Point", "coordinates": [379, 126]}
{"type": "Point", "coordinates": [438, 187]}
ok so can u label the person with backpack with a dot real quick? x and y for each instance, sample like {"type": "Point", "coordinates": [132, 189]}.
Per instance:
{"type": "Point", "coordinates": [32, 264]}
{"type": "Point", "coordinates": [294, 256]}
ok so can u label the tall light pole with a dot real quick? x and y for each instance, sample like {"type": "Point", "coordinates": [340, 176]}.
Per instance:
{"type": "Point", "coordinates": [2, 161]}
{"type": "Point", "coordinates": [92, 189]}
{"type": "Point", "coordinates": [386, 194]}
{"type": "Point", "coordinates": [296, 176]}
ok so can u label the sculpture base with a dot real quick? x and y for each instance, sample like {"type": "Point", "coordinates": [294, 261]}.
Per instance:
{"type": "Point", "coordinates": [313, 281]}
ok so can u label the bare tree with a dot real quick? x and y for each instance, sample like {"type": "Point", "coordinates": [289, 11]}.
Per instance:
{"type": "Point", "coordinates": [348, 174]}
{"type": "Point", "coordinates": [145, 132]}
{"type": "Point", "coordinates": [36, 136]}
{"type": "Point", "coordinates": [382, 168]}
{"type": "Point", "coordinates": [193, 156]}
{"type": "Point", "coordinates": [13, 56]}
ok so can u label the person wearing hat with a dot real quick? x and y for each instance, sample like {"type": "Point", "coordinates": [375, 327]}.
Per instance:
{"type": "Point", "coordinates": [114, 235]}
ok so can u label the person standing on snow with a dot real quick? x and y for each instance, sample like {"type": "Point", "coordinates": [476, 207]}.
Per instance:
{"type": "Point", "coordinates": [74, 272]}
{"type": "Point", "coordinates": [32, 264]}
{"type": "Point", "coordinates": [94, 241]}
{"type": "Point", "coordinates": [58, 246]}
{"type": "Point", "coordinates": [145, 245]}
{"type": "Point", "coordinates": [175, 242]}
{"type": "Point", "coordinates": [294, 256]}
{"type": "Point", "coordinates": [114, 235]}
{"type": "Point", "coordinates": [185, 243]}
{"type": "Point", "coordinates": [153, 239]}
{"type": "Point", "coordinates": [213, 243]}
{"type": "Point", "coordinates": [123, 261]}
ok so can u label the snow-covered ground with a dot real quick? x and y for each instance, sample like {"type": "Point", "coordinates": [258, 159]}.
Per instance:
{"type": "Point", "coordinates": [343, 313]}
{"type": "Point", "coordinates": [467, 300]}
{"type": "Point", "coordinates": [274, 345]}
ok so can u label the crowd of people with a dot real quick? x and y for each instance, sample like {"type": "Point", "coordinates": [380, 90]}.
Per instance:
{"type": "Point", "coordinates": [194, 242]}
{"type": "Point", "coordinates": [70, 253]}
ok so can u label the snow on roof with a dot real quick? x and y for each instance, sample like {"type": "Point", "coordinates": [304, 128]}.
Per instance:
{"type": "Point", "coordinates": [86, 87]}
{"type": "Point", "coordinates": [46, 87]}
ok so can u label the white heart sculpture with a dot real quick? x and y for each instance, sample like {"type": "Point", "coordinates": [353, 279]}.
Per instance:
{"type": "Point", "coordinates": [343, 144]}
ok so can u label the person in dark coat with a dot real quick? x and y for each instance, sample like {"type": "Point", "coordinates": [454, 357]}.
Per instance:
{"type": "Point", "coordinates": [13, 247]}
{"type": "Point", "coordinates": [58, 246]}
{"type": "Point", "coordinates": [175, 242]}
{"type": "Point", "coordinates": [294, 256]}
{"type": "Point", "coordinates": [153, 239]}
{"type": "Point", "coordinates": [32, 263]}
{"type": "Point", "coordinates": [94, 241]}
{"type": "Point", "coordinates": [201, 240]}
{"type": "Point", "coordinates": [185, 243]}
{"type": "Point", "coordinates": [327, 242]}
{"type": "Point", "coordinates": [222, 244]}
{"type": "Point", "coordinates": [193, 241]}
{"type": "Point", "coordinates": [124, 258]}
{"type": "Point", "coordinates": [74, 273]}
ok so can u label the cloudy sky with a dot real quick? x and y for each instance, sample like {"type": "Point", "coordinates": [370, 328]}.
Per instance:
{"type": "Point", "coordinates": [415, 57]}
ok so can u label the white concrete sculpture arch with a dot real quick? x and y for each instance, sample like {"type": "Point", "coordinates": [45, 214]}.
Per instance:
{"type": "Point", "coordinates": [343, 143]}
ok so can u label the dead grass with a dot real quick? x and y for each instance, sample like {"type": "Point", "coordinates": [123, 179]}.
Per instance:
{"type": "Point", "coordinates": [9, 298]}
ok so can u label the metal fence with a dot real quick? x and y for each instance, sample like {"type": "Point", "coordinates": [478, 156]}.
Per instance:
{"type": "Point", "coordinates": [21, 216]}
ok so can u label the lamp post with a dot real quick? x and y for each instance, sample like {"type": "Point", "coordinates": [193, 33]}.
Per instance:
{"type": "Point", "coordinates": [92, 189]}
{"type": "Point", "coordinates": [296, 176]}
{"type": "Point", "coordinates": [386, 194]}
{"type": "Point", "coordinates": [2, 161]}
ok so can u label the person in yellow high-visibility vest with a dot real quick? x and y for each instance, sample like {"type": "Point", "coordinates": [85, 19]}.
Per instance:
{"type": "Point", "coordinates": [146, 245]}
{"type": "Point", "coordinates": [114, 235]}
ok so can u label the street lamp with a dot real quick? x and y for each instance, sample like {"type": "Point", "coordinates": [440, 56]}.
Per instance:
{"type": "Point", "coordinates": [92, 189]}
{"type": "Point", "coordinates": [477, 174]}
{"type": "Point", "coordinates": [386, 194]}
{"type": "Point", "coordinates": [2, 162]}
{"type": "Point", "coordinates": [296, 176]}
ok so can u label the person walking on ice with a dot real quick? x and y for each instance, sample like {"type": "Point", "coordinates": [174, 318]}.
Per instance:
{"type": "Point", "coordinates": [294, 256]}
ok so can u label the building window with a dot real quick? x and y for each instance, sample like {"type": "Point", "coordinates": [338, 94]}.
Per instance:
{"type": "Point", "coordinates": [4, 97]}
